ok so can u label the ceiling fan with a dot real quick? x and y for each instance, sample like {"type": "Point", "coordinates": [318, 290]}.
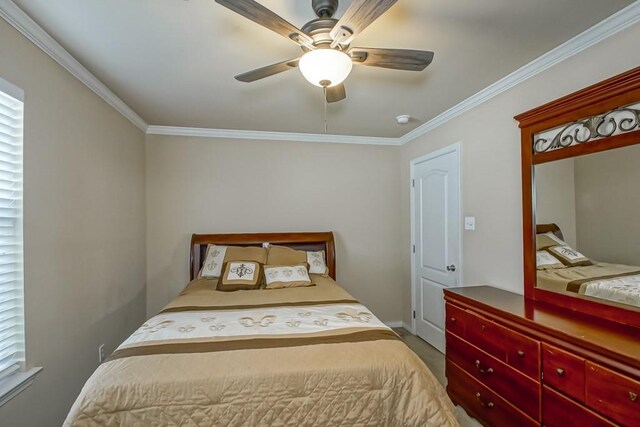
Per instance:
{"type": "Point", "coordinates": [326, 42]}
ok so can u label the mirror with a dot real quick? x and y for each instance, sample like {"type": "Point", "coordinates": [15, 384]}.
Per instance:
{"type": "Point", "coordinates": [587, 217]}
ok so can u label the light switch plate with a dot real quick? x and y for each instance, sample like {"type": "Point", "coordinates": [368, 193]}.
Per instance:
{"type": "Point", "coordinates": [469, 222]}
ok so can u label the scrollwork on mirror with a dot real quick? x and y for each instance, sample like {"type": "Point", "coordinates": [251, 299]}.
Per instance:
{"type": "Point", "coordinates": [614, 122]}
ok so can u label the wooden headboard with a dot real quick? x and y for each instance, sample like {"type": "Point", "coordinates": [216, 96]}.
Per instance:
{"type": "Point", "coordinates": [545, 228]}
{"type": "Point", "coordinates": [304, 241]}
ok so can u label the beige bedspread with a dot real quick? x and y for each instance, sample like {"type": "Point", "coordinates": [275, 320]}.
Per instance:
{"type": "Point", "coordinates": [300, 357]}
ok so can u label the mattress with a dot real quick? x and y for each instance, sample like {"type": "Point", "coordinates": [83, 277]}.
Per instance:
{"type": "Point", "coordinates": [303, 356]}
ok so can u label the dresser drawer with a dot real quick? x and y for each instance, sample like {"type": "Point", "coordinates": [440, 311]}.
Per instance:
{"type": "Point", "coordinates": [456, 319]}
{"type": "Point", "coordinates": [560, 411]}
{"type": "Point", "coordinates": [563, 371]}
{"type": "Point", "coordinates": [487, 335]}
{"type": "Point", "coordinates": [613, 395]}
{"type": "Point", "coordinates": [523, 353]}
{"type": "Point", "coordinates": [496, 375]}
{"type": "Point", "coordinates": [481, 402]}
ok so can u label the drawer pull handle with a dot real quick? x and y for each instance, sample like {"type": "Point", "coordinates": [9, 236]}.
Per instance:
{"type": "Point", "coordinates": [483, 371]}
{"type": "Point", "coordinates": [453, 320]}
{"type": "Point", "coordinates": [486, 405]}
{"type": "Point", "coordinates": [633, 396]}
{"type": "Point", "coordinates": [520, 353]}
{"type": "Point", "coordinates": [560, 372]}
{"type": "Point", "coordinates": [483, 327]}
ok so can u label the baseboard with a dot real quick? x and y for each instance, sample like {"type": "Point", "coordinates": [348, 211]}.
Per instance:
{"type": "Point", "coordinates": [395, 324]}
{"type": "Point", "coordinates": [408, 327]}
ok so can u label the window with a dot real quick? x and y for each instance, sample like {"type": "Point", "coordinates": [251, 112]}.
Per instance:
{"type": "Point", "coordinates": [13, 377]}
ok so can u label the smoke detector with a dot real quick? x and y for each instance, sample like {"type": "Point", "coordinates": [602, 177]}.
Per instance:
{"type": "Point", "coordinates": [403, 119]}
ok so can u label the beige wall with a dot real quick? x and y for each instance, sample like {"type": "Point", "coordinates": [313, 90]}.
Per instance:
{"type": "Point", "coordinates": [491, 182]}
{"type": "Point", "coordinates": [200, 185]}
{"type": "Point", "coordinates": [84, 216]}
{"type": "Point", "coordinates": [556, 197]}
{"type": "Point", "coordinates": [607, 205]}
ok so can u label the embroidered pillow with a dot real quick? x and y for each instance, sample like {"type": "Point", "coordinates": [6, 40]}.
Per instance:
{"type": "Point", "coordinates": [213, 261]}
{"type": "Point", "coordinates": [286, 276]}
{"type": "Point", "coordinates": [217, 256]}
{"type": "Point", "coordinates": [569, 257]}
{"type": "Point", "coordinates": [317, 264]}
{"type": "Point", "coordinates": [546, 261]}
{"type": "Point", "coordinates": [240, 275]}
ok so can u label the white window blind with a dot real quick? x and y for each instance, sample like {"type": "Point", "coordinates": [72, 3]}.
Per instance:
{"type": "Point", "coordinates": [11, 260]}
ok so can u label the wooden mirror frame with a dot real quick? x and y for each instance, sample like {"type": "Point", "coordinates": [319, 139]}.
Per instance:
{"type": "Point", "coordinates": [619, 91]}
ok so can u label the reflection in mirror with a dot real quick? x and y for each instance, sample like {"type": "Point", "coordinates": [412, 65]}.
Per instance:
{"type": "Point", "coordinates": [587, 212]}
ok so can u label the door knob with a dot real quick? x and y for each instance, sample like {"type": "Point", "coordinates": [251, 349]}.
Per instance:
{"type": "Point", "coordinates": [451, 267]}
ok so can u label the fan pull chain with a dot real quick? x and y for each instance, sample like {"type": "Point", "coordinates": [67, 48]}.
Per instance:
{"type": "Point", "coordinates": [324, 89]}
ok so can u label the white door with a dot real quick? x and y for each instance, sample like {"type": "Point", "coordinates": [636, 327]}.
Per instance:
{"type": "Point", "coordinates": [436, 239]}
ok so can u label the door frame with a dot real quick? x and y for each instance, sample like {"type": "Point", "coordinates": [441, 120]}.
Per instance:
{"type": "Point", "coordinates": [457, 148]}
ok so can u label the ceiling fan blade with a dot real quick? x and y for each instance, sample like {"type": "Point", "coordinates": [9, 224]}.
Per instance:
{"type": "Point", "coordinates": [336, 93]}
{"type": "Point", "coordinates": [397, 59]}
{"type": "Point", "coordinates": [359, 16]}
{"type": "Point", "coordinates": [269, 70]}
{"type": "Point", "coordinates": [258, 13]}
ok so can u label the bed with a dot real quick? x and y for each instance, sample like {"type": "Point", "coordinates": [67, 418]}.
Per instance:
{"type": "Point", "coordinates": [612, 282]}
{"type": "Point", "coordinates": [296, 356]}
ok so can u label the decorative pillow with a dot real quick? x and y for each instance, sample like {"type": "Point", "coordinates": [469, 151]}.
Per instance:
{"type": "Point", "coordinates": [316, 262]}
{"type": "Point", "coordinates": [217, 256]}
{"type": "Point", "coordinates": [282, 255]}
{"type": "Point", "coordinates": [546, 261]}
{"type": "Point", "coordinates": [240, 275]}
{"type": "Point", "coordinates": [547, 240]}
{"type": "Point", "coordinates": [213, 261]}
{"type": "Point", "coordinates": [569, 257]}
{"type": "Point", "coordinates": [286, 276]}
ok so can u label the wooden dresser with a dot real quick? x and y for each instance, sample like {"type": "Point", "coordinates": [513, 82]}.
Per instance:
{"type": "Point", "coordinates": [511, 362]}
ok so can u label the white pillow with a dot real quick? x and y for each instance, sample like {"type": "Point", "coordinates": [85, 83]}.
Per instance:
{"type": "Point", "coordinates": [545, 261]}
{"type": "Point", "coordinates": [213, 261]}
{"type": "Point", "coordinates": [317, 264]}
{"type": "Point", "coordinates": [287, 276]}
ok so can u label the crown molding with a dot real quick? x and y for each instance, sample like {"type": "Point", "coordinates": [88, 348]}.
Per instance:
{"type": "Point", "coordinates": [270, 136]}
{"type": "Point", "coordinates": [38, 36]}
{"type": "Point", "coordinates": [615, 23]}
{"type": "Point", "coordinates": [602, 30]}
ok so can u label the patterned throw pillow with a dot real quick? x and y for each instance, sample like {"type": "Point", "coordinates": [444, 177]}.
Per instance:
{"type": "Point", "coordinates": [213, 261]}
{"type": "Point", "coordinates": [287, 276]}
{"type": "Point", "coordinates": [546, 261]}
{"type": "Point", "coordinates": [217, 256]}
{"type": "Point", "coordinates": [569, 257]}
{"type": "Point", "coordinates": [240, 275]}
{"type": "Point", "coordinates": [317, 264]}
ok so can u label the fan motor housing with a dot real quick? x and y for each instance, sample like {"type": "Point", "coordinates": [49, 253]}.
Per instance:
{"type": "Point", "coordinates": [324, 8]}
{"type": "Point", "coordinates": [319, 29]}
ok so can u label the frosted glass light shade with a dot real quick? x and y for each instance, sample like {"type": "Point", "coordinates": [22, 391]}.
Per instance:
{"type": "Point", "coordinates": [325, 65]}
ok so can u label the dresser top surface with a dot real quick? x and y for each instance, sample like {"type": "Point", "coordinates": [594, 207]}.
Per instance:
{"type": "Point", "coordinates": [602, 336]}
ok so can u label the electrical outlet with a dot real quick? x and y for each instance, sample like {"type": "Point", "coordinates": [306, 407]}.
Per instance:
{"type": "Point", "coordinates": [101, 353]}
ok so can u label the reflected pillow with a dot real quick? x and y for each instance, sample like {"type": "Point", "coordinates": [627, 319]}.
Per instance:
{"type": "Point", "coordinates": [546, 261]}
{"type": "Point", "coordinates": [240, 275]}
{"type": "Point", "coordinates": [286, 276]}
{"type": "Point", "coordinates": [547, 240]}
{"type": "Point", "coordinates": [569, 257]}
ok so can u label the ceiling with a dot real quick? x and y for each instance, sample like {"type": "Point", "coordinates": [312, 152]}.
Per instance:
{"type": "Point", "coordinates": [173, 61]}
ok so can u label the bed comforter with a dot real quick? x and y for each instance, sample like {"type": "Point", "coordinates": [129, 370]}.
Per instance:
{"type": "Point", "coordinates": [299, 357]}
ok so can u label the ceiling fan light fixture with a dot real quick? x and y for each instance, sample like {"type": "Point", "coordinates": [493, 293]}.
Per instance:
{"type": "Point", "coordinates": [325, 65]}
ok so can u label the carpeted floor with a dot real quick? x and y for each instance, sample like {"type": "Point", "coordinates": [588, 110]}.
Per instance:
{"type": "Point", "coordinates": [435, 361]}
